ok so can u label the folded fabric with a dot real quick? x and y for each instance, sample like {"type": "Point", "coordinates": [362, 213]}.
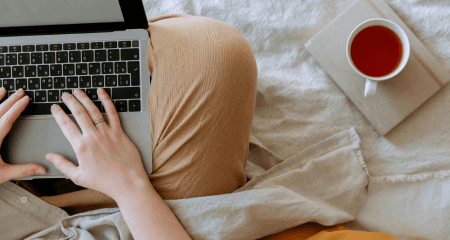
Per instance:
{"type": "Point", "coordinates": [326, 184]}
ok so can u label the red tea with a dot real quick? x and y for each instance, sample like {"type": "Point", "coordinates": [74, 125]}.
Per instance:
{"type": "Point", "coordinates": [376, 51]}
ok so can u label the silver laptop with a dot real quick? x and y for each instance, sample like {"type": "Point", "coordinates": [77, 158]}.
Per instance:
{"type": "Point", "coordinates": [49, 47]}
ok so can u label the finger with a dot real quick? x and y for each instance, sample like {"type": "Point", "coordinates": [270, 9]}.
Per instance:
{"type": "Point", "coordinates": [2, 92]}
{"type": "Point", "coordinates": [68, 127]}
{"type": "Point", "coordinates": [9, 171]}
{"type": "Point", "coordinates": [4, 107]}
{"type": "Point", "coordinates": [63, 165]}
{"type": "Point", "coordinates": [91, 109]}
{"type": "Point", "coordinates": [79, 112]}
{"type": "Point", "coordinates": [110, 109]}
{"type": "Point", "coordinates": [7, 120]}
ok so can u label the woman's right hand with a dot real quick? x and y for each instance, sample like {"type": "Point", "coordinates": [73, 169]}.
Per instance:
{"type": "Point", "coordinates": [108, 161]}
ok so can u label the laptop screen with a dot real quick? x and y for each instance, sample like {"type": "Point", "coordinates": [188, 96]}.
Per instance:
{"type": "Point", "coordinates": [15, 13]}
{"type": "Point", "coordinates": [30, 17]}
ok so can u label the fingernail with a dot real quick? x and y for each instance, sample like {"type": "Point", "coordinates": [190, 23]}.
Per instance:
{"type": "Point", "coordinates": [25, 98]}
{"type": "Point", "coordinates": [19, 91]}
{"type": "Point", "coordinates": [100, 90]}
{"type": "Point", "coordinates": [2, 89]}
{"type": "Point", "coordinates": [55, 107]}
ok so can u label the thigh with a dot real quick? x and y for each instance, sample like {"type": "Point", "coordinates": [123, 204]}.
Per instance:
{"type": "Point", "coordinates": [201, 104]}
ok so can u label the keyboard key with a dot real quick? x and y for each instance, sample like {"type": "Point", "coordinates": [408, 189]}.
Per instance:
{"type": "Point", "coordinates": [5, 72]}
{"type": "Point", "coordinates": [113, 55]}
{"type": "Point", "coordinates": [46, 83]}
{"type": "Point", "coordinates": [85, 82]}
{"type": "Point", "coordinates": [30, 71]}
{"type": "Point", "coordinates": [124, 44]}
{"type": "Point", "coordinates": [43, 70]}
{"type": "Point", "coordinates": [21, 83]}
{"type": "Point", "coordinates": [56, 70]}
{"type": "Point", "coordinates": [111, 80]}
{"type": "Point", "coordinates": [121, 105]}
{"type": "Point", "coordinates": [135, 43]}
{"type": "Point", "coordinates": [28, 48]}
{"type": "Point", "coordinates": [42, 47]}
{"type": "Point", "coordinates": [59, 82]}
{"type": "Point", "coordinates": [2, 59]}
{"type": "Point", "coordinates": [133, 69]}
{"type": "Point", "coordinates": [65, 90]}
{"type": "Point", "coordinates": [40, 96]}
{"type": "Point", "coordinates": [124, 80]}
{"type": "Point", "coordinates": [49, 57]}
{"type": "Point", "coordinates": [62, 57]}
{"type": "Point", "coordinates": [126, 93]}
{"type": "Point", "coordinates": [11, 59]}
{"type": "Point", "coordinates": [108, 91]}
{"type": "Point", "coordinates": [24, 58]}
{"type": "Point", "coordinates": [83, 46]}
{"type": "Point", "coordinates": [107, 68]}
{"type": "Point", "coordinates": [81, 69]}
{"type": "Point", "coordinates": [120, 67]}
{"type": "Point", "coordinates": [94, 68]}
{"type": "Point", "coordinates": [96, 45]}
{"type": "Point", "coordinates": [110, 44]}
{"type": "Point", "coordinates": [43, 108]}
{"type": "Point", "coordinates": [34, 84]}
{"type": "Point", "coordinates": [15, 48]}
{"type": "Point", "coordinates": [98, 104]}
{"type": "Point", "coordinates": [75, 56]}
{"type": "Point", "coordinates": [36, 58]}
{"type": "Point", "coordinates": [129, 54]}
{"type": "Point", "coordinates": [55, 47]}
{"type": "Point", "coordinates": [17, 71]}
{"type": "Point", "coordinates": [69, 46]}
{"type": "Point", "coordinates": [92, 93]}
{"type": "Point", "coordinates": [100, 55]}
{"type": "Point", "coordinates": [87, 56]}
{"type": "Point", "coordinates": [98, 81]}
{"type": "Point", "coordinates": [68, 69]}
{"type": "Point", "coordinates": [134, 105]}
{"type": "Point", "coordinates": [3, 49]}
{"type": "Point", "coordinates": [8, 84]}
{"type": "Point", "coordinates": [53, 95]}
{"type": "Point", "coordinates": [31, 95]}
{"type": "Point", "coordinates": [72, 82]}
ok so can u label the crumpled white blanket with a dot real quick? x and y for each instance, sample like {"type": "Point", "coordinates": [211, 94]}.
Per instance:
{"type": "Point", "coordinates": [326, 184]}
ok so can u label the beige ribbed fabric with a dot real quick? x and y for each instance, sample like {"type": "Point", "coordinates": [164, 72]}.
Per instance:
{"type": "Point", "coordinates": [201, 104]}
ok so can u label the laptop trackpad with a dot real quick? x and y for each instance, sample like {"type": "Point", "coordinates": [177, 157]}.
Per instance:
{"type": "Point", "coordinates": [30, 140]}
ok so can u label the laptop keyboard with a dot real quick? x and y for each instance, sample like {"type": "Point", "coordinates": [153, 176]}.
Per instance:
{"type": "Point", "coordinates": [46, 71]}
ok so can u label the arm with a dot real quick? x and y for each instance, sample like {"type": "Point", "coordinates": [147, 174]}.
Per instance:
{"type": "Point", "coordinates": [110, 163]}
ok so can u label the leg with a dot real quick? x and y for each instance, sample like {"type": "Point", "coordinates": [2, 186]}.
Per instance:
{"type": "Point", "coordinates": [201, 104]}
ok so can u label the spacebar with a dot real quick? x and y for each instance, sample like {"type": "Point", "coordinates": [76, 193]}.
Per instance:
{"type": "Point", "coordinates": [42, 108]}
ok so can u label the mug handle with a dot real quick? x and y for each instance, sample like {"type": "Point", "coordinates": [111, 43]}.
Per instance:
{"type": "Point", "coordinates": [370, 89]}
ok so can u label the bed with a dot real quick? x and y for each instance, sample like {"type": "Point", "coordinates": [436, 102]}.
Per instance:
{"type": "Point", "coordinates": [298, 105]}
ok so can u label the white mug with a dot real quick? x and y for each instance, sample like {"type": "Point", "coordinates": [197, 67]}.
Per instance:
{"type": "Point", "coordinates": [371, 82]}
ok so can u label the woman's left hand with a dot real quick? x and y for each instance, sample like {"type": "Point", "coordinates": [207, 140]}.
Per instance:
{"type": "Point", "coordinates": [9, 111]}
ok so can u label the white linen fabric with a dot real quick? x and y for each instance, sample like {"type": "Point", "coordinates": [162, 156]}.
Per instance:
{"type": "Point", "coordinates": [326, 184]}
{"type": "Point", "coordinates": [298, 103]}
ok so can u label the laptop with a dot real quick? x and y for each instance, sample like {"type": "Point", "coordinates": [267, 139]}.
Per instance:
{"type": "Point", "coordinates": [49, 47]}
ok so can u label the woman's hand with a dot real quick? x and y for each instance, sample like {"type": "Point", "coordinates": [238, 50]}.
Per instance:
{"type": "Point", "coordinates": [9, 112]}
{"type": "Point", "coordinates": [108, 161]}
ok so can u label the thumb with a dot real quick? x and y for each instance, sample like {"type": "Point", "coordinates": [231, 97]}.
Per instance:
{"type": "Point", "coordinates": [62, 164]}
{"type": "Point", "coordinates": [22, 170]}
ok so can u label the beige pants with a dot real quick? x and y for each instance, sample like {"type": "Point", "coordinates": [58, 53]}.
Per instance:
{"type": "Point", "coordinates": [201, 104]}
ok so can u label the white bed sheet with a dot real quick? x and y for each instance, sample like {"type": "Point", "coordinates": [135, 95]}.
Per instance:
{"type": "Point", "coordinates": [299, 105]}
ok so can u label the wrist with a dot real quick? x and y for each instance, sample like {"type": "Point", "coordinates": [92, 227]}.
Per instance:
{"type": "Point", "coordinates": [132, 190]}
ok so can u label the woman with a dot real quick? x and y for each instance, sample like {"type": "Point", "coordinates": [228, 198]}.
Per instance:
{"type": "Point", "coordinates": [201, 104]}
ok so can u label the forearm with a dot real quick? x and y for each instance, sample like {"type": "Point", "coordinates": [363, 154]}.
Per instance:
{"type": "Point", "coordinates": [147, 215]}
